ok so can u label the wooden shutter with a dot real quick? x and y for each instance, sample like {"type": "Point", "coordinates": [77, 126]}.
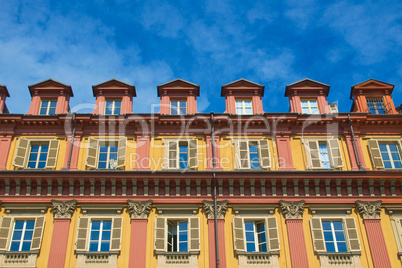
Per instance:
{"type": "Point", "coordinates": [117, 227]}
{"type": "Point", "coordinates": [121, 153]}
{"type": "Point", "coordinates": [273, 234]}
{"type": "Point", "coordinates": [193, 153]}
{"type": "Point", "coordinates": [52, 154]}
{"type": "Point", "coordinates": [92, 153]}
{"type": "Point", "coordinates": [21, 154]}
{"type": "Point", "coordinates": [238, 234]}
{"type": "Point", "coordinates": [265, 159]}
{"type": "Point", "coordinates": [375, 154]}
{"type": "Point", "coordinates": [336, 155]}
{"type": "Point", "coordinates": [38, 233]}
{"type": "Point", "coordinates": [194, 234]}
{"type": "Point", "coordinates": [173, 155]}
{"type": "Point", "coordinates": [312, 154]}
{"type": "Point", "coordinates": [242, 155]}
{"type": "Point", "coordinates": [317, 235]}
{"type": "Point", "coordinates": [160, 234]}
{"type": "Point", "coordinates": [82, 233]}
{"type": "Point", "coordinates": [351, 233]}
{"type": "Point", "coordinates": [5, 228]}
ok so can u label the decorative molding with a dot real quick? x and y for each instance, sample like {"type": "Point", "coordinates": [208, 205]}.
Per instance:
{"type": "Point", "coordinates": [222, 207]}
{"type": "Point", "coordinates": [63, 209]}
{"type": "Point", "coordinates": [292, 209]}
{"type": "Point", "coordinates": [139, 209]}
{"type": "Point", "coordinates": [369, 210]}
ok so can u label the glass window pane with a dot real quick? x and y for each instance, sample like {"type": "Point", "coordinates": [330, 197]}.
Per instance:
{"type": "Point", "coordinates": [338, 225]}
{"type": "Point", "coordinates": [305, 110]}
{"type": "Point", "coordinates": [108, 111]}
{"type": "Point", "coordinates": [106, 236]}
{"type": "Point", "coordinates": [107, 225]}
{"type": "Point", "coordinates": [44, 148]}
{"type": "Point", "coordinates": [328, 236]}
{"type": "Point", "coordinates": [183, 111]}
{"type": "Point", "coordinates": [41, 164]}
{"type": "Point", "coordinates": [330, 247]}
{"type": "Point", "coordinates": [342, 247]}
{"type": "Point", "coordinates": [53, 104]}
{"type": "Point", "coordinates": [33, 157]}
{"type": "Point", "coordinates": [250, 247]}
{"type": "Point", "coordinates": [314, 110]}
{"type": "Point", "coordinates": [116, 111]}
{"type": "Point", "coordinates": [105, 246]}
{"type": "Point", "coordinates": [93, 246]}
{"type": "Point", "coordinates": [239, 111]}
{"type": "Point", "coordinates": [113, 149]}
{"type": "Point", "coordinates": [250, 236]}
{"type": "Point", "coordinates": [94, 235]}
{"type": "Point", "coordinates": [35, 148]}
{"type": "Point", "coordinates": [326, 225]}
{"type": "Point", "coordinates": [28, 235]}
{"type": "Point", "coordinates": [43, 111]}
{"type": "Point", "coordinates": [45, 104]}
{"type": "Point", "coordinates": [263, 248]}
{"type": "Point", "coordinates": [52, 111]}
{"type": "Point", "coordinates": [183, 236]}
{"type": "Point", "coordinates": [117, 104]}
{"type": "Point", "coordinates": [249, 226]}
{"type": "Point", "coordinates": [96, 225]}
{"type": "Point", "coordinates": [15, 246]}
{"type": "Point", "coordinates": [173, 104]}
{"type": "Point", "coordinates": [17, 235]}
{"type": "Point", "coordinates": [183, 247]}
{"type": "Point", "coordinates": [173, 111]}
{"type": "Point", "coordinates": [43, 157]}
{"type": "Point", "coordinates": [26, 246]}
{"type": "Point", "coordinates": [249, 111]}
{"type": "Point", "coordinates": [109, 104]}
{"type": "Point", "coordinates": [340, 236]}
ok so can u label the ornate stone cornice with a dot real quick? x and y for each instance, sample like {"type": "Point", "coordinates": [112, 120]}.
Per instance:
{"type": "Point", "coordinates": [139, 209]}
{"type": "Point", "coordinates": [63, 209]}
{"type": "Point", "coordinates": [369, 210]}
{"type": "Point", "coordinates": [292, 209]}
{"type": "Point", "coordinates": [222, 207]}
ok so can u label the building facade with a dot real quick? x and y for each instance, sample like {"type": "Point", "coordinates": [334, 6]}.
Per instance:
{"type": "Point", "coordinates": [314, 187]}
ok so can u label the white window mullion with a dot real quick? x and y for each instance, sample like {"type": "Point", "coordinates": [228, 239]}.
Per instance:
{"type": "Point", "coordinates": [256, 242]}
{"type": "Point", "coordinates": [22, 235]}
{"type": "Point", "coordinates": [334, 236]}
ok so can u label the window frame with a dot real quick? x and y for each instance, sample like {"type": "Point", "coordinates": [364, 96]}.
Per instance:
{"type": "Point", "coordinates": [114, 107]}
{"type": "Point", "coordinates": [21, 241]}
{"type": "Point", "coordinates": [334, 152]}
{"type": "Point", "coordinates": [172, 148]}
{"type": "Point", "coordinates": [377, 160]}
{"type": "Point", "coordinates": [256, 233]}
{"type": "Point", "coordinates": [243, 106]}
{"type": "Point", "coordinates": [263, 147]}
{"type": "Point", "coordinates": [178, 107]}
{"type": "Point", "coordinates": [100, 238]}
{"type": "Point", "coordinates": [375, 101]}
{"type": "Point", "coordinates": [93, 152]}
{"type": "Point", "coordinates": [309, 106]}
{"type": "Point", "coordinates": [48, 107]}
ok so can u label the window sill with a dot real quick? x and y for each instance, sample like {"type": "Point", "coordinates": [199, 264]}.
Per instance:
{"type": "Point", "coordinates": [258, 259]}
{"type": "Point", "coordinates": [18, 258]}
{"type": "Point", "coordinates": [177, 259]}
{"type": "Point", "coordinates": [96, 258]}
{"type": "Point", "coordinates": [339, 259]}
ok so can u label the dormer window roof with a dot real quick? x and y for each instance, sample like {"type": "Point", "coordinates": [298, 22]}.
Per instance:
{"type": "Point", "coordinates": [243, 97]}
{"type": "Point", "coordinates": [373, 96]}
{"type": "Point", "coordinates": [178, 97]}
{"type": "Point", "coordinates": [113, 97]}
{"type": "Point", "coordinates": [49, 97]}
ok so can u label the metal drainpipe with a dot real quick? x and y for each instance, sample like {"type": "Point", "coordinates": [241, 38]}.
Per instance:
{"type": "Point", "coordinates": [72, 143]}
{"type": "Point", "coordinates": [214, 195]}
{"type": "Point", "coordinates": [359, 163]}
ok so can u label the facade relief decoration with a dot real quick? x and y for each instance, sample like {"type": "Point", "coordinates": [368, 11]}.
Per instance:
{"type": "Point", "coordinates": [222, 207]}
{"type": "Point", "coordinates": [292, 209]}
{"type": "Point", "coordinates": [139, 209]}
{"type": "Point", "coordinates": [63, 209]}
{"type": "Point", "coordinates": [369, 210]}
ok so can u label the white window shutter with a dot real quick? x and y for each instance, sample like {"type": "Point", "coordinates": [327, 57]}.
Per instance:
{"type": "Point", "coordinates": [336, 155]}
{"type": "Point", "coordinates": [317, 235]}
{"type": "Point", "coordinates": [238, 234]}
{"type": "Point", "coordinates": [351, 233]}
{"type": "Point", "coordinates": [265, 157]}
{"type": "Point", "coordinates": [173, 155]}
{"type": "Point", "coordinates": [160, 234]}
{"type": "Point", "coordinates": [21, 154]}
{"type": "Point", "coordinates": [121, 153]}
{"type": "Point", "coordinates": [242, 155]}
{"type": "Point", "coordinates": [117, 227]}
{"type": "Point", "coordinates": [193, 153]}
{"type": "Point", "coordinates": [82, 233]}
{"type": "Point", "coordinates": [92, 153]}
{"type": "Point", "coordinates": [273, 234]}
{"type": "Point", "coordinates": [194, 234]}
{"type": "Point", "coordinates": [38, 232]}
{"type": "Point", "coordinates": [51, 160]}
{"type": "Point", "coordinates": [312, 154]}
{"type": "Point", "coordinates": [5, 228]}
{"type": "Point", "coordinates": [375, 154]}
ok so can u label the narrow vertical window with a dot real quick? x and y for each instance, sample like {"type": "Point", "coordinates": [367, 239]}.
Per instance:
{"type": "Point", "coordinates": [390, 155]}
{"type": "Point", "coordinates": [254, 159]}
{"type": "Point", "coordinates": [48, 107]}
{"type": "Point", "coordinates": [22, 235]}
{"type": "Point", "coordinates": [309, 107]}
{"type": "Point", "coordinates": [38, 155]}
{"type": "Point", "coordinates": [324, 155]}
{"type": "Point", "coordinates": [100, 235]}
{"type": "Point", "coordinates": [334, 236]}
{"type": "Point", "coordinates": [183, 155]}
{"type": "Point", "coordinates": [244, 107]}
{"type": "Point", "coordinates": [256, 240]}
{"type": "Point", "coordinates": [178, 107]}
{"type": "Point", "coordinates": [177, 236]}
{"type": "Point", "coordinates": [113, 107]}
{"type": "Point", "coordinates": [108, 156]}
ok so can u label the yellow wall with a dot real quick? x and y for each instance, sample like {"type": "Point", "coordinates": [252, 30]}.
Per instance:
{"type": "Point", "coordinates": [60, 158]}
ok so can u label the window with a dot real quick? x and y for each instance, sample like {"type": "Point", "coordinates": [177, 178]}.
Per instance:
{"type": "Point", "coordinates": [99, 239]}
{"type": "Point", "coordinates": [334, 236]}
{"type": "Point", "coordinates": [177, 235]}
{"type": "Point", "coordinates": [255, 235]}
{"type": "Point", "coordinates": [323, 154]}
{"type": "Point", "coordinates": [385, 154]}
{"type": "Point", "coordinates": [178, 107]}
{"type": "Point", "coordinates": [22, 235]}
{"type": "Point", "coordinates": [309, 107]}
{"type": "Point", "coordinates": [113, 107]}
{"type": "Point", "coordinates": [244, 107]}
{"type": "Point", "coordinates": [177, 240]}
{"type": "Point", "coordinates": [181, 154]}
{"type": "Point", "coordinates": [376, 105]}
{"type": "Point", "coordinates": [252, 154]}
{"type": "Point", "coordinates": [36, 154]}
{"type": "Point", "coordinates": [48, 107]}
{"type": "Point", "coordinates": [106, 154]}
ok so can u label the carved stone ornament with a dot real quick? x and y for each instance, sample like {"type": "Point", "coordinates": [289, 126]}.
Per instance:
{"type": "Point", "coordinates": [369, 210]}
{"type": "Point", "coordinates": [292, 210]}
{"type": "Point", "coordinates": [222, 207]}
{"type": "Point", "coordinates": [63, 209]}
{"type": "Point", "coordinates": [139, 209]}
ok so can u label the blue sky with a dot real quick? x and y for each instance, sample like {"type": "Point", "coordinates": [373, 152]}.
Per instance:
{"type": "Point", "coordinates": [210, 43]}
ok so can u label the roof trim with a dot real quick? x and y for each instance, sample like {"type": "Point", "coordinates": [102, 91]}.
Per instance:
{"type": "Point", "coordinates": [178, 79]}
{"type": "Point", "coordinates": [113, 80]}
{"type": "Point", "coordinates": [244, 80]}
{"type": "Point", "coordinates": [373, 80]}
{"type": "Point", "coordinates": [51, 80]}
{"type": "Point", "coordinates": [307, 79]}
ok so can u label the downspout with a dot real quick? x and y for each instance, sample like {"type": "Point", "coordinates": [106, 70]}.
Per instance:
{"type": "Point", "coordinates": [72, 142]}
{"type": "Point", "coordinates": [214, 195]}
{"type": "Point", "coordinates": [359, 163]}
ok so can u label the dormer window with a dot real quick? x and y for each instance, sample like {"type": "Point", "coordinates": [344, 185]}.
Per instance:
{"type": "Point", "coordinates": [309, 107]}
{"type": "Point", "coordinates": [113, 107]}
{"type": "Point", "coordinates": [48, 107]}
{"type": "Point", "coordinates": [178, 107]}
{"type": "Point", "coordinates": [244, 107]}
{"type": "Point", "coordinates": [376, 106]}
